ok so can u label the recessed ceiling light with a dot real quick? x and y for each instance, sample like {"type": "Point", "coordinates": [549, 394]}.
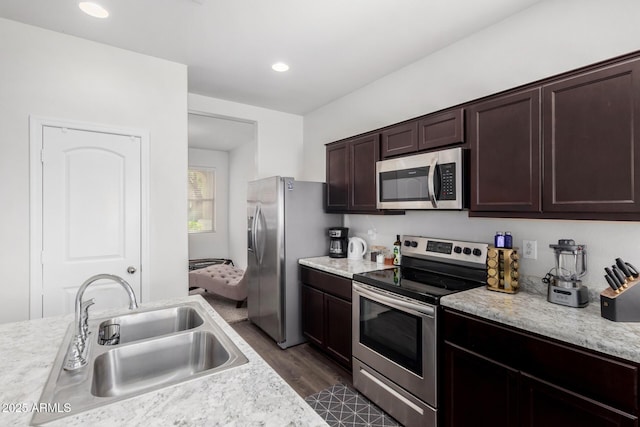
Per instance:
{"type": "Point", "coordinates": [93, 9]}
{"type": "Point", "coordinates": [280, 67]}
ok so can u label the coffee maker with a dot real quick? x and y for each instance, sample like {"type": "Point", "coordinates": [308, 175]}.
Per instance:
{"type": "Point", "coordinates": [565, 287]}
{"type": "Point", "coordinates": [338, 242]}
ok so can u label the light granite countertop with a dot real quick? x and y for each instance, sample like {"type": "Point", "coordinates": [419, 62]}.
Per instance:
{"type": "Point", "coordinates": [530, 311]}
{"type": "Point", "coordinates": [342, 266]}
{"type": "Point", "coordinates": [252, 394]}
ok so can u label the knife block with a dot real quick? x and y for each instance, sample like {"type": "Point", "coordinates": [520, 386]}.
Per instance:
{"type": "Point", "coordinates": [502, 269]}
{"type": "Point", "coordinates": [621, 307]}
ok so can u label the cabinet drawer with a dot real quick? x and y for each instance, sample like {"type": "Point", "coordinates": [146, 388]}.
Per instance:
{"type": "Point", "coordinates": [491, 341]}
{"type": "Point", "coordinates": [326, 282]}
{"type": "Point", "coordinates": [606, 380]}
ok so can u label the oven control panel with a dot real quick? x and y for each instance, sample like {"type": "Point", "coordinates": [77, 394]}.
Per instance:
{"type": "Point", "coordinates": [445, 250]}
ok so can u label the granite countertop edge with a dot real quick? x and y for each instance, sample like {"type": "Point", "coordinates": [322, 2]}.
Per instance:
{"type": "Point", "coordinates": [583, 327]}
{"type": "Point", "coordinates": [527, 310]}
{"type": "Point", "coordinates": [252, 394]}
{"type": "Point", "coordinates": [342, 266]}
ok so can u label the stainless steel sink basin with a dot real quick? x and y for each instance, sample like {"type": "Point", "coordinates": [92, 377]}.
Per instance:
{"type": "Point", "coordinates": [155, 349]}
{"type": "Point", "coordinates": [139, 326]}
{"type": "Point", "coordinates": [134, 368]}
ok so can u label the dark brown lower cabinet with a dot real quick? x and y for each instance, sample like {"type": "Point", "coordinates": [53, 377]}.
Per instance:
{"type": "Point", "coordinates": [493, 403]}
{"type": "Point", "coordinates": [326, 313]}
{"type": "Point", "coordinates": [545, 404]}
{"type": "Point", "coordinates": [493, 376]}
{"type": "Point", "coordinates": [338, 334]}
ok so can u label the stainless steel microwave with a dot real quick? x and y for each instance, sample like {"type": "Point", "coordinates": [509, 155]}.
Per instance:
{"type": "Point", "coordinates": [433, 180]}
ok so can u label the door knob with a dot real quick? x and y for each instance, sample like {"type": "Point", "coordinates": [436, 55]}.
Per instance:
{"type": "Point", "coordinates": [131, 269]}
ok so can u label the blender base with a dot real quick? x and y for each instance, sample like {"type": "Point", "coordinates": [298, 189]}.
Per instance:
{"type": "Point", "coordinates": [571, 297]}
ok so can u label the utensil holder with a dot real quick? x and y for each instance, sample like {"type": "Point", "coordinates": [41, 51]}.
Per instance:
{"type": "Point", "coordinates": [623, 306]}
{"type": "Point", "coordinates": [502, 269]}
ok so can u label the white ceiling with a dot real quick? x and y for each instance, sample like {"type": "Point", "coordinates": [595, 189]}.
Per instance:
{"type": "Point", "coordinates": [333, 46]}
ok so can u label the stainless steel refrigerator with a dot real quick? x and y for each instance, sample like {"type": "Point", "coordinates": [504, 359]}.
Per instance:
{"type": "Point", "coordinates": [286, 221]}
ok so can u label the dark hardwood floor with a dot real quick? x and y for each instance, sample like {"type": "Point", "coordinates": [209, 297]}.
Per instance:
{"type": "Point", "coordinates": [304, 368]}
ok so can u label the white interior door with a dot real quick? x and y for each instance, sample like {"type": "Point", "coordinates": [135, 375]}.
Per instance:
{"type": "Point", "coordinates": [91, 219]}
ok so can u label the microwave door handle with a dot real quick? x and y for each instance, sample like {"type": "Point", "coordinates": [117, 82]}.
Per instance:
{"type": "Point", "coordinates": [430, 181]}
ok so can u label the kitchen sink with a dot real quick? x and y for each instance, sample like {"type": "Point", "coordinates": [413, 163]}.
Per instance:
{"type": "Point", "coordinates": [155, 349]}
{"type": "Point", "coordinates": [134, 368]}
{"type": "Point", "coordinates": [139, 326]}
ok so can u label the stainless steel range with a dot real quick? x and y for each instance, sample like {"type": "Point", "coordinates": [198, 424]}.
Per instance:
{"type": "Point", "coordinates": [395, 324]}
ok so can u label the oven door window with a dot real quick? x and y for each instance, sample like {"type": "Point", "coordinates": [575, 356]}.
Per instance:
{"type": "Point", "coordinates": [405, 185]}
{"type": "Point", "coordinates": [392, 333]}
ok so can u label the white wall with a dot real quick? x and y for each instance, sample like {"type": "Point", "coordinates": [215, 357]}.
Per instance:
{"type": "Point", "coordinates": [242, 169]}
{"type": "Point", "coordinates": [277, 150]}
{"type": "Point", "coordinates": [279, 135]}
{"type": "Point", "coordinates": [546, 39]}
{"type": "Point", "coordinates": [54, 75]}
{"type": "Point", "coordinates": [216, 244]}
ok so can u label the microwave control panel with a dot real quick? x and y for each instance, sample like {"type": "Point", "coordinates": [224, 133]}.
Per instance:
{"type": "Point", "coordinates": [447, 181]}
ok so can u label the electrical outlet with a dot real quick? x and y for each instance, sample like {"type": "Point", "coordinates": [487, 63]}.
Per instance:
{"type": "Point", "coordinates": [530, 249]}
{"type": "Point", "coordinates": [372, 233]}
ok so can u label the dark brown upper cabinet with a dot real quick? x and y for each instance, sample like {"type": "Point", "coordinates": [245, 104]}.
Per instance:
{"type": "Point", "coordinates": [351, 174]}
{"type": "Point", "coordinates": [337, 178]}
{"type": "Point", "coordinates": [504, 136]}
{"type": "Point", "coordinates": [441, 129]}
{"type": "Point", "coordinates": [401, 139]}
{"type": "Point", "coordinates": [430, 132]}
{"type": "Point", "coordinates": [364, 152]}
{"type": "Point", "coordinates": [591, 141]}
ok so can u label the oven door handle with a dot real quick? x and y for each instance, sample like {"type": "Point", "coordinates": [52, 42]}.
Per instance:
{"type": "Point", "coordinates": [400, 304]}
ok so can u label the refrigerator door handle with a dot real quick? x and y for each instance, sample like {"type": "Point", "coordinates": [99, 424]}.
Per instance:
{"type": "Point", "coordinates": [250, 242]}
{"type": "Point", "coordinates": [253, 243]}
{"type": "Point", "coordinates": [258, 232]}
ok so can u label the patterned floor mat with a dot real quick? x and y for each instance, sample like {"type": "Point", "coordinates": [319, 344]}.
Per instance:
{"type": "Point", "coordinates": [340, 406]}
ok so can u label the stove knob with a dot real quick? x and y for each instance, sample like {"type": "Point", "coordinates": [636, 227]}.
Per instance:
{"type": "Point", "coordinates": [467, 251]}
{"type": "Point", "coordinates": [477, 252]}
{"type": "Point", "coordinates": [457, 249]}
{"type": "Point", "coordinates": [407, 243]}
{"type": "Point", "coordinates": [414, 244]}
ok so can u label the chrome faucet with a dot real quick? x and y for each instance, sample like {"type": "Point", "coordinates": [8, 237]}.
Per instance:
{"type": "Point", "coordinates": [77, 353]}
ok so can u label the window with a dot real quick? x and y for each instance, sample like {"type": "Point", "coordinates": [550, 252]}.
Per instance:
{"type": "Point", "coordinates": [202, 184]}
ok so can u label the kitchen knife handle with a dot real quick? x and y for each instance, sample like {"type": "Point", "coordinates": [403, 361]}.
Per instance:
{"type": "Point", "coordinates": [613, 277]}
{"type": "Point", "coordinates": [621, 279]}
{"type": "Point", "coordinates": [621, 265]}
{"type": "Point", "coordinates": [634, 271]}
{"type": "Point", "coordinates": [611, 283]}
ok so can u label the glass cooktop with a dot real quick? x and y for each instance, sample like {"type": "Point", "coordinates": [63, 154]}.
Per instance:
{"type": "Point", "coordinates": [418, 284]}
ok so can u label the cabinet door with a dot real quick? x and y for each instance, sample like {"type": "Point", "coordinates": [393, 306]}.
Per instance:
{"type": "Point", "coordinates": [478, 391]}
{"type": "Point", "coordinates": [364, 152]}
{"type": "Point", "coordinates": [439, 130]}
{"type": "Point", "coordinates": [313, 314]}
{"type": "Point", "coordinates": [544, 404]}
{"type": "Point", "coordinates": [591, 134]}
{"type": "Point", "coordinates": [504, 135]}
{"type": "Point", "coordinates": [337, 177]}
{"type": "Point", "coordinates": [400, 139]}
{"type": "Point", "coordinates": [338, 332]}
